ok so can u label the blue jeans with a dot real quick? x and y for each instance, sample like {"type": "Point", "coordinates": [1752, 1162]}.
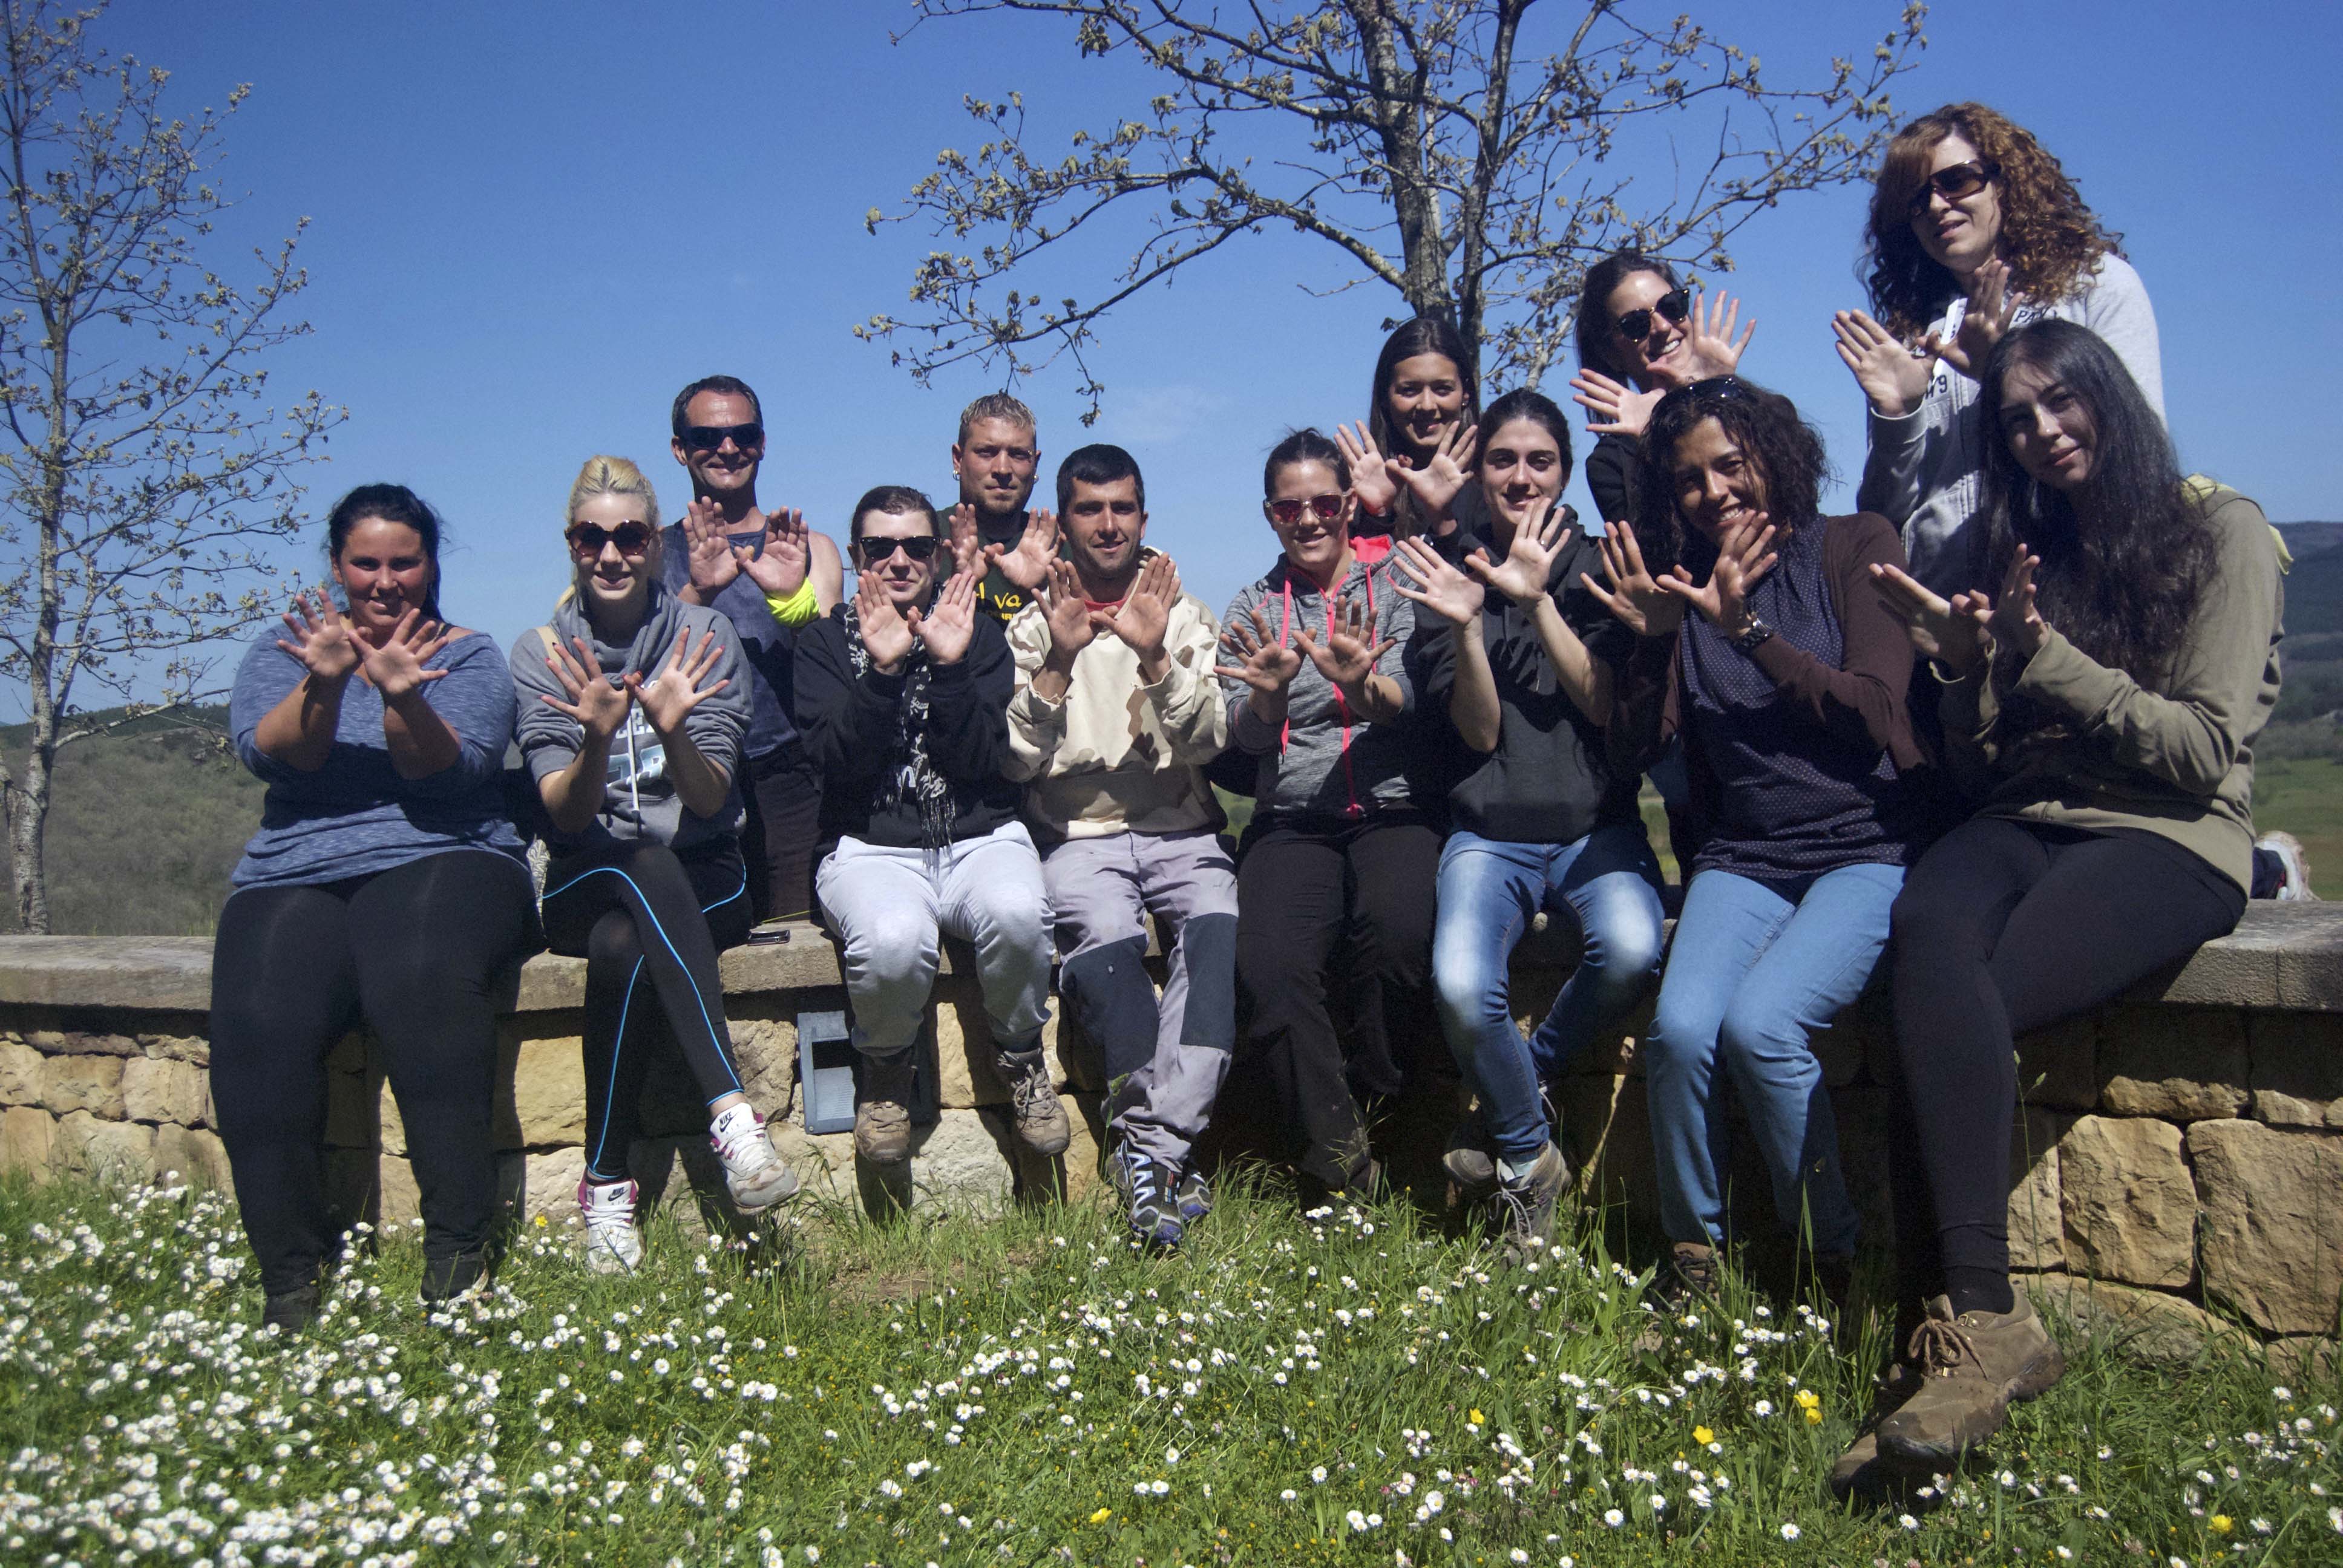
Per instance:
{"type": "Point", "coordinates": [1489, 889]}
{"type": "Point", "coordinates": [1751, 976]}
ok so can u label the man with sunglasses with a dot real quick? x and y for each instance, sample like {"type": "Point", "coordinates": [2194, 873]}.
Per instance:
{"type": "Point", "coordinates": [1116, 713]}
{"type": "Point", "coordinates": [903, 694]}
{"type": "Point", "coordinates": [993, 533]}
{"type": "Point", "coordinates": [729, 554]}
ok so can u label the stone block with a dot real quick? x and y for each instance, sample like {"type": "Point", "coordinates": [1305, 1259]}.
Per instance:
{"type": "Point", "coordinates": [2273, 1221]}
{"type": "Point", "coordinates": [540, 1092]}
{"type": "Point", "coordinates": [160, 1089]}
{"type": "Point", "coordinates": [2298, 1069]}
{"type": "Point", "coordinates": [2036, 1224]}
{"type": "Point", "coordinates": [2054, 1065]}
{"type": "Point", "coordinates": [2180, 1063]}
{"type": "Point", "coordinates": [89, 1145]}
{"type": "Point", "coordinates": [20, 1073]}
{"type": "Point", "coordinates": [27, 1139]}
{"type": "Point", "coordinates": [90, 1083]}
{"type": "Point", "coordinates": [199, 1158]}
{"type": "Point", "coordinates": [2128, 1208]}
{"type": "Point", "coordinates": [2147, 1325]}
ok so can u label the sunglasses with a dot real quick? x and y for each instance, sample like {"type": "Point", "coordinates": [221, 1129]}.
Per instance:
{"type": "Point", "coordinates": [587, 540]}
{"type": "Point", "coordinates": [1325, 507]}
{"type": "Point", "coordinates": [709, 437]}
{"type": "Point", "coordinates": [1958, 183]}
{"type": "Point", "coordinates": [877, 552]}
{"type": "Point", "coordinates": [1675, 305]}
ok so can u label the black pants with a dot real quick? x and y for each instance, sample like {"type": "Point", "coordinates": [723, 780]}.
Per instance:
{"type": "Point", "coordinates": [779, 832]}
{"type": "Point", "coordinates": [414, 951]}
{"type": "Point", "coordinates": [2003, 928]}
{"type": "Point", "coordinates": [635, 913]}
{"type": "Point", "coordinates": [1336, 911]}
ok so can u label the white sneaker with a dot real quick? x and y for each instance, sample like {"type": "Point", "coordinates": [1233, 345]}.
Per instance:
{"type": "Point", "coordinates": [613, 1245]}
{"type": "Point", "coordinates": [757, 1177]}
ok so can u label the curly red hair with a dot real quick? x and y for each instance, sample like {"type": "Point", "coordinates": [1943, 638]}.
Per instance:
{"type": "Point", "coordinates": [2050, 241]}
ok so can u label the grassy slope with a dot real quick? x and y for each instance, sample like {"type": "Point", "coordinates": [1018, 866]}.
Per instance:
{"type": "Point", "coordinates": [1364, 1390]}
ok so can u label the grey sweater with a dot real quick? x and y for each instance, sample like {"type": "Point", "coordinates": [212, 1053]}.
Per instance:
{"type": "Point", "coordinates": [1926, 470]}
{"type": "Point", "coordinates": [355, 816]}
{"type": "Point", "coordinates": [1324, 760]}
{"type": "Point", "coordinates": [638, 799]}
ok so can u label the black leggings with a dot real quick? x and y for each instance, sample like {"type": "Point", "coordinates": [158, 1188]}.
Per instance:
{"type": "Point", "coordinates": [416, 952]}
{"type": "Point", "coordinates": [626, 907]}
{"type": "Point", "coordinates": [1327, 912]}
{"type": "Point", "coordinates": [2003, 928]}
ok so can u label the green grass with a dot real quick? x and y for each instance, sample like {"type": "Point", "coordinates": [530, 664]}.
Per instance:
{"type": "Point", "coordinates": [1362, 1388]}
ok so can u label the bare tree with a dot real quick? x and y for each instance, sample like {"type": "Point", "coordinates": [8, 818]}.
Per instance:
{"type": "Point", "coordinates": [1440, 148]}
{"type": "Point", "coordinates": [146, 480]}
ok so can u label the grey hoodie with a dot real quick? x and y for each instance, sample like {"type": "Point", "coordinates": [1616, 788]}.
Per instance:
{"type": "Point", "coordinates": [1325, 760]}
{"type": "Point", "coordinates": [638, 799]}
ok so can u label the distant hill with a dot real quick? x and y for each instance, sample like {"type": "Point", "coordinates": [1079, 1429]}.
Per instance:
{"type": "Point", "coordinates": [147, 825]}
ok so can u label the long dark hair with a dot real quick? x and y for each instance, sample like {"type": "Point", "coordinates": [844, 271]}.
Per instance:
{"type": "Point", "coordinates": [1764, 425]}
{"type": "Point", "coordinates": [392, 504]}
{"type": "Point", "coordinates": [1595, 328]}
{"type": "Point", "coordinates": [2126, 557]}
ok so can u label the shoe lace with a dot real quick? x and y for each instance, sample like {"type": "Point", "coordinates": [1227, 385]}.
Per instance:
{"type": "Point", "coordinates": [1939, 1346]}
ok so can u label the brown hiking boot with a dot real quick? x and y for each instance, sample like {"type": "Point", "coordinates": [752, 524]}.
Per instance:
{"type": "Point", "coordinates": [1859, 1469]}
{"type": "Point", "coordinates": [1527, 1205]}
{"type": "Point", "coordinates": [1971, 1366]}
{"type": "Point", "coordinates": [883, 1108]}
{"type": "Point", "coordinates": [1040, 1118]}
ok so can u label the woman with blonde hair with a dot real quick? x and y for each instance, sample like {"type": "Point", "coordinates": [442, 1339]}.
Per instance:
{"type": "Point", "coordinates": [1975, 230]}
{"type": "Point", "coordinates": [632, 717]}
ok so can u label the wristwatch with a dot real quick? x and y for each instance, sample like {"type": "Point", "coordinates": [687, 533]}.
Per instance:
{"type": "Point", "coordinates": [1747, 642]}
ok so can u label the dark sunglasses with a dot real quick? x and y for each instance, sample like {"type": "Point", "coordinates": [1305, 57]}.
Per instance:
{"type": "Point", "coordinates": [876, 552]}
{"type": "Point", "coordinates": [709, 437]}
{"type": "Point", "coordinates": [1956, 183]}
{"type": "Point", "coordinates": [588, 540]}
{"type": "Point", "coordinates": [1288, 511]}
{"type": "Point", "coordinates": [1675, 305]}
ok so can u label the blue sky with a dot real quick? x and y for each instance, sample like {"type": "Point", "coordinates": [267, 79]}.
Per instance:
{"type": "Point", "coordinates": [532, 222]}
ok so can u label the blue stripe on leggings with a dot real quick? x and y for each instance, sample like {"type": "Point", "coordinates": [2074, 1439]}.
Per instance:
{"type": "Point", "coordinates": [611, 1094]}
{"type": "Point", "coordinates": [707, 1023]}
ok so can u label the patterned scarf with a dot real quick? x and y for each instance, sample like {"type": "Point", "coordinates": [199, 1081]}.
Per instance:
{"type": "Point", "coordinates": [910, 776]}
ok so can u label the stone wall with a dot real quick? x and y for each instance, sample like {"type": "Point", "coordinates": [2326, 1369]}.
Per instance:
{"type": "Point", "coordinates": [2179, 1148]}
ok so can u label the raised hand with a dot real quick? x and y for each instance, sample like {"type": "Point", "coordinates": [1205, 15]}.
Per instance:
{"type": "Point", "coordinates": [1370, 481]}
{"type": "Point", "coordinates": [1893, 377]}
{"type": "Point", "coordinates": [1713, 348]}
{"type": "Point", "coordinates": [598, 706]}
{"type": "Point", "coordinates": [1348, 654]}
{"type": "Point", "coordinates": [1635, 598]}
{"type": "Point", "coordinates": [1028, 565]}
{"type": "Point", "coordinates": [1266, 667]}
{"type": "Point", "coordinates": [1072, 624]}
{"type": "Point", "coordinates": [1444, 473]}
{"type": "Point", "coordinates": [1144, 619]}
{"type": "Point", "coordinates": [950, 620]}
{"type": "Point", "coordinates": [887, 636]}
{"type": "Point", "coordinates": [1952, 632]}
{"type": "Point", "coordinates": [676, 691]}
{"type": "Point", "coordinates": [967, 544]}
{"type": "Point", "coordinates": [1743, 556]}
{"type": "Point", "coordinates": [2016, 619]}
{"type": "Point", "coordinates": [1991, 309]}
{"type": "Point", "coordinates": [709, 558]}
{"type": "Point", "coordinates": [396, 668]}
{"type": "Point", "coordinates": [781, 570]}
{"type": "Point", "coordinates": [1446, 592]}
{"type": "Point", "coordinates": [1613, 407]}
{"type": "Point", "coordinates": [321, 639]}
{"type": "Point", "coordinates": [1521, 575]}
